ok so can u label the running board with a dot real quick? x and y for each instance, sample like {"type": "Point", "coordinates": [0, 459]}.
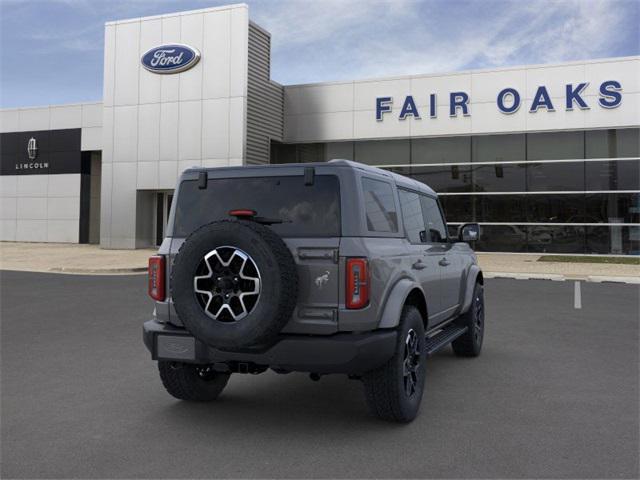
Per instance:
{"type": "Point", "coordinates": [443, 338]}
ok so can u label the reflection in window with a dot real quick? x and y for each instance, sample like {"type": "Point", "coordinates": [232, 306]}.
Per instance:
{"type": "Point", "coordinates": [499, 178]}
{"type": "Point", "coordinates": [613, 240]}
{"type": "Point", "coordinates": [339, 150]}
{"type": "Point", "coordinates": [545, 177]}
{"type": "Point", "coordinates": [411, 215]}
{"type": "Point", "coordinates": [441, 150]}
{"type": "Point", "coordinates": [383, 152]}
{"type": "Point", "coordinates": [613, 143]}
{"type": "Point", "coordinates": [458, 208]}
{"type": "Point", "coordinates": [305, 210]}
{"type": "Point", "coordinates": [555, 208]}
{"type": "Point", "coordinates": [454, 178]}
{"type": "Point", "coordinates": [502, 238]}
{"type": "Point", "coordinates": [613, 175]}
{"type": "Point", "coordinates": [380, 207]}
{"type": "Point", "coordinates": [613, 207]}
{"type": "Point", "coordinates": [556, 239]}
{"type": "Point", "coordinates": [499, 148]}
{"type": "Point", "coordinates": [433, 220]}
{"type": "Point", "coordinates": [555, 145]}
{"type": "Point", "coordinates": [501, 208]}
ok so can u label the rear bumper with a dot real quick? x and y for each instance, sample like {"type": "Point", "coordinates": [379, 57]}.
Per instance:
{"type": "Point", "coordinates": [340, 353]}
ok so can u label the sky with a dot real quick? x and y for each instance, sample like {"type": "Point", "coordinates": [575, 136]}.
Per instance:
{"type": "Point", "coordinates": [51, 51]}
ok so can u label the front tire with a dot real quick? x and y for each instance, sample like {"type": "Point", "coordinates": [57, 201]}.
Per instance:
{"type": "Point", "coordinates": [470, 343]}
{"type": "Point", "coordinates": [394, 391]}
{"type": "Point", "coordinates": [197, 383]}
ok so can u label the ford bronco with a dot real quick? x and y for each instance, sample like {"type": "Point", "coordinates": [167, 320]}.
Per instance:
{"type": "Point", "coordinates": [323, 268]}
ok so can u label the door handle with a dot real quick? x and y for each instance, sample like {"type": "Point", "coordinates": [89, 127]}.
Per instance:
{"type": "Point", "coordinates": [419, 265]}
{"type": "Point", "coordinates": [443, 262]}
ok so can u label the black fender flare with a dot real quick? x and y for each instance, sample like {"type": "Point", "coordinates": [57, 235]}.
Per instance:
{"type": "Point", "coordinates": [474, 274]}
{"type": "Point", "coordinates": [396, 299]}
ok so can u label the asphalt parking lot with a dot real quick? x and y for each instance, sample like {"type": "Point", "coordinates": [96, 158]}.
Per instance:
{"type": "Point", "coordinates": [554, 394]}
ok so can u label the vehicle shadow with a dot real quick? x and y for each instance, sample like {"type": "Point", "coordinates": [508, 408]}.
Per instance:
{"type": "Point", "coordinates": [288, 403]}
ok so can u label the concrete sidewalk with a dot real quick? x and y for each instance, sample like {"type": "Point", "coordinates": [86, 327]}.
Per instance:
{"type": "Point", "coordinates": [91, 259]}
{"type": "Point", "coordinates": [71, 258]}
{"type": "Point", "coordinates": [527, 266]}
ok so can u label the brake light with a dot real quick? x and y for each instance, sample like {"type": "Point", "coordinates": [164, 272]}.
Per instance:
{"type": "Point", "coordinates": [357, 283]}
{"type": "Point", "coordinates": [242, 212]}
{"type": "Point", "coordinates": [156, 277]}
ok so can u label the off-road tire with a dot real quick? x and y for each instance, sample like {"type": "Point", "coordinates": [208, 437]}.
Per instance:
{"type": "Point", "coordinates": [384, 387]}
{"type": "Point", "coordinates": [190, 382]}
{"type": "Point", "coordinates": [470, 343]}
{"type": "Point", "coordinates": [279, 284]}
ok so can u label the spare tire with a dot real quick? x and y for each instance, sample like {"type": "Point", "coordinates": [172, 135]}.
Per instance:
{"type": "Point", "coordinates": [234, 284]}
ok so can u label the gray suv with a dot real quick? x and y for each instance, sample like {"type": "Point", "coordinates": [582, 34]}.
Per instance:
{"type": "Point", "coordinates": [333, 267]}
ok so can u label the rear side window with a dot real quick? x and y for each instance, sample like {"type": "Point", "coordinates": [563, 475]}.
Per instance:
{"type": "Point", "coordinates": [305, 210]}
{"type": "Point", "coordinates": [436, 231]}
{"type": "Point", "coordinates": [380, 207]}
{"type": "Point", "coordinates": [412, 217]}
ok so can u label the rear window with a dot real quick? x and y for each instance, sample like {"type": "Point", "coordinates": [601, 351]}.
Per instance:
{"type": "Point", "coordinates": [306, 210]}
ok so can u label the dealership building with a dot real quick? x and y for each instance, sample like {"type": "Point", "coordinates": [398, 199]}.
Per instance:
{"type": "Point", "coordinates": [545, 158]}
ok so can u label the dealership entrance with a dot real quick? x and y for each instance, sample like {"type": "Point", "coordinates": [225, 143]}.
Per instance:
{"type": "Point", "coordinates": [162, 208]}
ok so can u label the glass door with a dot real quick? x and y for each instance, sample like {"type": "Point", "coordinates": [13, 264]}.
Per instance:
{"type": "Point", "coordinates": [163, 205]}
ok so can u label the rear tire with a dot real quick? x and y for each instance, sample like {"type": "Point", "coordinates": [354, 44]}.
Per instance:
{"type": "Point", "coordinates": [470, 344]}
{"type": "Point", "coordinates": [394, 391]}
{"type": "Point", "coordinates": [190, 382]}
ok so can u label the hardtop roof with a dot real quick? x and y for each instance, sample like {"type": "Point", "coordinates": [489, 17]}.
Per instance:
{"type": "Point", "coordinates": [400, 180]}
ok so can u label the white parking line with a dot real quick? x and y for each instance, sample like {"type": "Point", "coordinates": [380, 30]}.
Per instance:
{"type": "Point", "coordinates": [577, 296]}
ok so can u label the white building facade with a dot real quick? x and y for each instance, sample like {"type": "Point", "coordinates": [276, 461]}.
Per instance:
{"type": "Point", "coordinates": [545, 157]}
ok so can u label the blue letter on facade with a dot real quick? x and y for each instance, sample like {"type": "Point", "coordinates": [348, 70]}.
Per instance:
{"type": "Point", "coordinates": [409, 108]}
{"type": "Point", "coordinates": [458, 99]}
{"type": "Point", "coordinates": [542, 99]}
{"type": "Point", "coordinates": [433, 106]}
{"type": "Point", "coordinates": [382, 105]}
{"type": "Point", "coordinates": [516, 100]}
{"type": "Point", "coordinates": [573, 94]}
{"type": "Point", "coordinates": [610, 96]}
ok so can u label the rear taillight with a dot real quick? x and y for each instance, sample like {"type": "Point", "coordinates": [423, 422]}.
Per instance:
{"type": "Point", "coordinates": [156, 277]}
{"type": "Point", "coordinates": [357, 283]}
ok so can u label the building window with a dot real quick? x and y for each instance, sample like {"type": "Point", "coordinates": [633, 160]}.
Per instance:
{"type": "Point", "coordinates": [613, 143]}
{"type": "Point", "coordinates": [555, 145]}
{"type": "Point", "coordinates": [499, 178]}
{"type": "Point", "coordinates": [612, 175]}
{"type": "Point", "coordinates": [444, 178]}
{"type": "Point", "coordinates": [613, 207]}
{"type": "Point", "coordinates": [441, 150]}
{"type": "Point", "coordinates": [339, 150]}
{"type": "Point", "coordinates": [383, 152]}
{"type": "Point", "coordinates": [499, 148]}
{"type": "Point", "coordinates": [549, 177]}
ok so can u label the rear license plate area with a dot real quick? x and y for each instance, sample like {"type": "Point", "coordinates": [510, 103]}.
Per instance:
{"type": "Point", "coordinates": [176, 347]}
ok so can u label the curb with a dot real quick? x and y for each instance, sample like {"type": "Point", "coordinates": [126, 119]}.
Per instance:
{"type": "Point", "coordinates": [562, 278]}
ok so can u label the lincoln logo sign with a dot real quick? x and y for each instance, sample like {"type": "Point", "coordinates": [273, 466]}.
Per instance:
{"type": "Point", "coordinates": [508, 101]}
{"type": "Point", "coordinates": [172, 58]}
{"type": "Point", "coordinates": [32, 154]}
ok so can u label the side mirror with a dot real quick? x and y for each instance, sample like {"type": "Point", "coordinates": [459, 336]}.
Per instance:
{"type": "Point", "coordinates": [469, 232]}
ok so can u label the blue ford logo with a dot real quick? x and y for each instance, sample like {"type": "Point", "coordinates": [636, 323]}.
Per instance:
{"type": "Point", "coordinates": [172, 58]}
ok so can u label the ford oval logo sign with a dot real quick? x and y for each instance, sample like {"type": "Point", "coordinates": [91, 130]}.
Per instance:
{"type": "Point", "coordinates": [173, 58]}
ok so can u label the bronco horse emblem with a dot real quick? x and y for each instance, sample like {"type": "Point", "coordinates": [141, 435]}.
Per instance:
{"type": "Point", "coordinates": [322, 280]}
